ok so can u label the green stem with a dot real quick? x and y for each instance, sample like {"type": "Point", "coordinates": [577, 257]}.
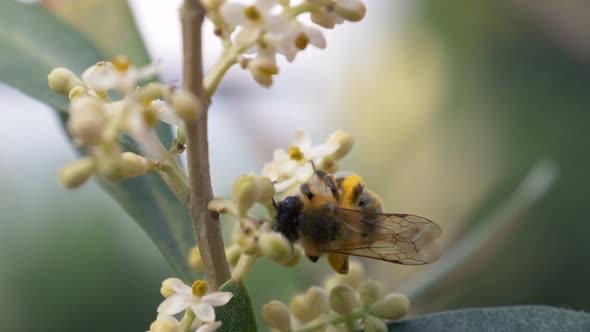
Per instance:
{"type": "Point", "coordinates": [243, 267]}
{"type": "Point", "coordinates": [174, 176]}
{"type": "Point", "coordinates": [186, 321]}
{"type": "Point", "coordinates": [320, 323]}
{"type": "Point", "coordinates": [216, 74]}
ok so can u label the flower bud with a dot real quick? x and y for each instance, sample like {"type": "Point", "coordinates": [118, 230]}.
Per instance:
{"type": "Point", "coordinates": [275, 246]}
{"type": "Point", "coordinates": [181, 135]}
{"type": "Point", "coordinates": [245, 192]}
{"type": "Point", "coordinates": [249, 245]}
{"type": "Point", "coordinates": [323, 19]}
{"type": "Point", "coordinates": [309, 305]}
{"type": "Point", "coordinates": [374, 324]}
{"type": "Point", "coordinates": [212, 5]}
{"type": "Point", "coordinates": [62, 80]}
{"type": "Point", "coordinates": [87, 120]}
{"type": "Point", "coordinates": [344, 141]}
{"type": "Point", "coordinates": [164, 325]}
{"type": "Point", "coordinates": [187, 106]}
{"type": "Point", "coordinates": [77, 91]}
{"type": "Point", "coordinates": [169, 285]}
{"type": "Point", "coordinates": [350, 10]}
{"type": "Point", "coordinates": [134, 165]}
{"type": "Point", "coordinates": [151, 92]}
{"type": "Point", "coordinates": [370, 292]}
{"type": "Point", "coordinates": [276, 316]}
{"type": "Point", "coordinates": [392, 306]}
{"type": "Point", "coordinates": [76, 173]}
{"type": "Point", "coordinates": [262, 78]}
{"type": "Point", "coordinates": [266, 189]}
{"type": "Point", "coordinates": [356, 275]}
{"type": "Point", "coordinates": [233, 255]}
{"type": "Point", "coordinates": [294, 259]}
{"type": "Point", "coordinates": [194, 259]}
{"type": "Point", "coordinates": [342, 299]}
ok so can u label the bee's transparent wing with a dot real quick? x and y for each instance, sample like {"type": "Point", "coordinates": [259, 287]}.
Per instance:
{"type": "Point", "coordinates": [393, 237]}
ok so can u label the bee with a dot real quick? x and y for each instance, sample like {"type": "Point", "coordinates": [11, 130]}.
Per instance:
{"type": "Point", "coordinates": [339, 217]}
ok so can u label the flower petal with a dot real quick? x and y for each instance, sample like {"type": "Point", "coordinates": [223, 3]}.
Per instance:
{"type": "Point", "coordinates": [316, 37]}
{"type": "Point", "coordinates": [174, 304]}
{"type": "Point", "coordinates": [234, 13]}
{"type": "Point", "coordinates": [266, 5]}
{"type": "Point", "coordinates": [284, 185]}
{"type": "Point", "coordinates": [218, 298]}
{"type": "Point", "coordinates": [302, 140]}
{"type": "Point", "coordinates": [209, 327]}
{"type": "Point", "coordinates": [204, 312]}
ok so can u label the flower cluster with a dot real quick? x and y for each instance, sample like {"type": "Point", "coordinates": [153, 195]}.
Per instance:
{"type": "Point", "coordinates": [253, 235]}
{"type": "Point", "coordinates": [97, 123]}
{"type": "Point", "coordinates": [194, 301]}
{"type": "Point", "coordinates": [344, 299]}
{"type": "Point", "coordinates": [264, 28]}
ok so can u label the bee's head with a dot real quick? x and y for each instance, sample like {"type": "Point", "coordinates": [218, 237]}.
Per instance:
{"type": "Point", "coordinates": [287, 213]}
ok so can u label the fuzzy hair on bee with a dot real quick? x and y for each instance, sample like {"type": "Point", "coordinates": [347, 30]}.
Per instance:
{"type": "Point", "coordinates": [339, 217]}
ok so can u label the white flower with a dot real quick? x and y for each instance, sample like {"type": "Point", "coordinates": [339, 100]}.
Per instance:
{"type": "Point", "coordinates": [290, 169]}
{"type": "Point", "coordinates": [297, 38]}
{"type": "Point", "coordinates": [170, 322]}
{"type": "Point", "coordinates": [194, 298]}
{"type": "Point", "coordinates": [120, 75]}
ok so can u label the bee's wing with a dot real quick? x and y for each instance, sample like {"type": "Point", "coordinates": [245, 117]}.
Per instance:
{"type": "Point", "coordinates": [394, 237]}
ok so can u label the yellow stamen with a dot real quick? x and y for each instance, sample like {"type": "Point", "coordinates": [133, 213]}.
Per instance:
{"type": "Point", "coordinates": [150, 116]}
{"type": "Point", "coordinates": [301, 41]}
{"type": "Point", "coordinates": [121, 63]}
{"type": "Point", "coordinates": [295, 153]}
{"type": "Point", "coordinates": [200, 288]}
{"type": "Point", "coordinates": [252, 13]}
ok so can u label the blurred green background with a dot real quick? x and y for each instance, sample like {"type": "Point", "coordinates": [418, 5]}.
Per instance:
{"type": "Point", "coordinates": [450, 114]}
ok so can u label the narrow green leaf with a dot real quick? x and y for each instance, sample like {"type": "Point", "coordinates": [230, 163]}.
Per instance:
{"type": "Point", "coordinates": [29, 52]}
{"type": "Point", "coordinates": [509, 319]}
{"type": "Point", "coordinates": [237, 315]}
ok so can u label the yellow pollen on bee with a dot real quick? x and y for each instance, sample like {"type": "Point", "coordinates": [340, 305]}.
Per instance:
{"type": "Point", "coordinates": [121, 63]}
{"type": "Point", "coordinates": [252, 13]}
{"type": "Point", "coordinates": [301, 41]}
{"type": "Point", "coordinates": [199, 288]}
{"type": "Point", "coordinates": [352, 188]}
{"type": "Point", "coordinates": [295, 153]}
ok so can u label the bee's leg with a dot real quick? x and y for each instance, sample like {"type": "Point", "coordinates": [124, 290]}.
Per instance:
{"type": "Point", "coordinates": [306, 190]}
{"type": "Point", "coordinates": [313, 258]}
{"type": "Point", "coordinates": [339, 263]}
{"type": "Point", "coordinates": [329, 181]}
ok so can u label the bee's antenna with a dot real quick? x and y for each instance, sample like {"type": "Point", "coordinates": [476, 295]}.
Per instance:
{"type": "Point", "coordinates": [313, 166]}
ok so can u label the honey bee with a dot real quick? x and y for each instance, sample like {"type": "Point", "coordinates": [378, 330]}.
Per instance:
{"type": "Point", "coordinates": [339, 217]}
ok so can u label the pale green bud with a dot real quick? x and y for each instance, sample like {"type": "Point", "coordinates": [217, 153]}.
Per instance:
{"type": "Point", "coordinates": [294, 259]}
{"type": "Point", "coordinates": [249, 245]}
{"type": "Point", "coordinates": [233, 254]}
{"type": "Point", "coordinates": [151, 92]}
{"type": "Point", "coordinates": [266, 190]}
{"type": "Point", "coordinates": [187, 106]}
{"type": "Point", "coordinates": [275, 246]}
{"type": "Point", "coordinates": [164, 325]}
{"type": "Point", "coordinates": [374, 324]}
{"type": "Point", "coordinates": [167, 287]}
{"type": "Point", "coordinates": [245, 192]}
{"type": "Point", "coordinates": [309, 305]}
{"type": "Point", "coordinates": [350, 10]}
{"type": "Point", "coordinates": [355, 276]}
{"type": "Point", "coordinates": [78, 91]}
{"type": "Point", "coordinates": [369, 292]}
{"type": "Point", "coordinates": [345, 142]}
{"type": "Point", "coordinates": [262, 78]}
{"type": "Point", "coordinates": [276, 316]}
{"type": "Point", "coordinates": [76, 173]}
{"type": "Point", "coordinates": [343, 299]}
{"type": "Point", "coordinates": [323, 19]}
{"type": "Point", "coordinates": [181, 135]}
{"type": "Point", "coordinates": [392, 306]}
{"type": "Point", "coordinates": [62, 80]}
{"type": "Point", "coordinates": [134, 165]}
{"type": "Point", "coordinates": [194, 259]}
{"type": "Point", "coordinates": [87, 120]}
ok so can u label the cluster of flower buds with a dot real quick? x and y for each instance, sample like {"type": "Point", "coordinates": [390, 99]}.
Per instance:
{"type": "Point", "coordinates": [345, 299]}
{"type": "Point", "coordinates": [97, 123]}
{"type": "Point", "coordinates": [194, 301]}
{"type": "Point", "coordinates": [260, 30]}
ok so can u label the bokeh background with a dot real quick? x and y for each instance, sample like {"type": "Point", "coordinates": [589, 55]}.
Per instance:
{"type": "Point", "coordinates": [472, 113]}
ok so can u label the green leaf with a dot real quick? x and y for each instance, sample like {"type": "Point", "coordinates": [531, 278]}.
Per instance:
{"type": "Point", "coordinates": [509, 319]}
{"type": "Point", "coordinates": [237, 315]}
{"type": "Point", "coordinates": [29, 52]}
{"type": "Point", "coordinates": [100, 20]}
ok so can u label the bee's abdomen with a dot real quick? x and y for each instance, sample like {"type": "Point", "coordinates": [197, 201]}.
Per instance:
{"type": "Point", "coordinates": [318, 227]}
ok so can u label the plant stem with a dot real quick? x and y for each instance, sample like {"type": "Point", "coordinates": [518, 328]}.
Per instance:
{"type": "Point", "coordinates": [186, 321]}
{"type": "Point", "coordinates": [243, 267]}
{"type": "Point", "coordinates": [320, 323]}
{"type": "Point", "coordinates": [205, 223]}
